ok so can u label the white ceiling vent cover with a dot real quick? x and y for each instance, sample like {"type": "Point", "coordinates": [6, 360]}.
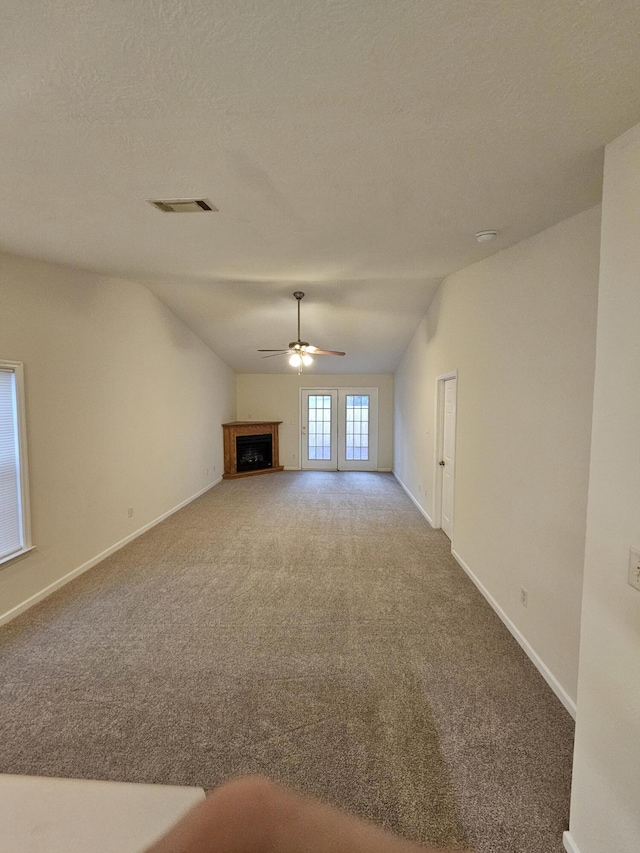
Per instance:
{"type": "Point", "coordinates": [183, 205]}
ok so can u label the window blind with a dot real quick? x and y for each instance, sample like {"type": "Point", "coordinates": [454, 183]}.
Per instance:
{"type": "Point", "coordinates": [10, 511]}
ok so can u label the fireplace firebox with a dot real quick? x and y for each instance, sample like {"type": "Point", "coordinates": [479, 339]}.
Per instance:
{"type": "Point", "coordinates": [253, 452]}
{"type": "Point", "coordinates": [250, 447]}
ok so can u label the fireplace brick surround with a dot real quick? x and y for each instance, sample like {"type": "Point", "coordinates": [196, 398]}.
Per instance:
{"type": "Point", "coordinates": [232, 430]}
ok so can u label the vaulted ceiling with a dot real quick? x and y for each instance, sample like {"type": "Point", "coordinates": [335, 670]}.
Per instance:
{"type": "Point", "coordinates": [353, 148]}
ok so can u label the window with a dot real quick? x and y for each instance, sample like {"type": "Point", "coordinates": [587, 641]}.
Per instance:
{"type": "Point", "coordinates": [14, 504]}
{"type": "Point", "coordinates": [319, 426]}
{"type": "Point", "coordinates": [357, 431]}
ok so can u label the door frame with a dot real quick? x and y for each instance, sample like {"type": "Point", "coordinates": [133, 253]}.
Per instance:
{"type": "Point", "coordinates": [372, 391]}
{"type": "Point", "coordinates": [439, 442]}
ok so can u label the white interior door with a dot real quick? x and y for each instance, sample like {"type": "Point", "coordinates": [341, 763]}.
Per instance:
{"type": "Point", "coordinates": [339, 428]}
{"type": "Point", "coordinates": [448, 454]}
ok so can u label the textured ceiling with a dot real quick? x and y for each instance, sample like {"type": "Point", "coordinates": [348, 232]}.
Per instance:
{"type": "Point", "coordinates": [352, 147]}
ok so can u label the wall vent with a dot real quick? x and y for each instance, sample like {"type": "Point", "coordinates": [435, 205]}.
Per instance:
{"type": "Point", "coordinates": [183, 205]}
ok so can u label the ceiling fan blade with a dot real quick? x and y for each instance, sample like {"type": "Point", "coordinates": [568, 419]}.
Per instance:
{"type": "Point", "coordinates": [326, 352]}
{"type": "Point", "coordinates": [274, 354]}
{"type": "Point", "coordinates": [273, 350]}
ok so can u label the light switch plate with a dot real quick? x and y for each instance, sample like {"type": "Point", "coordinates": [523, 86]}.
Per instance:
{"type": "Point", "coordinates": [634, 568]}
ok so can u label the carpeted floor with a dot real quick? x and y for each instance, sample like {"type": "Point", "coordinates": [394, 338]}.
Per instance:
{"type": "Point", "coordinates": [310, 626]}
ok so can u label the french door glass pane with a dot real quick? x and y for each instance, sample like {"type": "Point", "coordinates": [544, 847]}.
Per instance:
{"type": "Point", "coordinates": [319, 432]}
{"type": "Point", "coordinates": [357, 431]}
{"type": "Point", "coordinates": [10, 521]}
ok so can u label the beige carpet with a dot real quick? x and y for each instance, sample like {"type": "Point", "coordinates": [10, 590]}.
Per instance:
{"type": "Point", "coordinates": [310, 626]}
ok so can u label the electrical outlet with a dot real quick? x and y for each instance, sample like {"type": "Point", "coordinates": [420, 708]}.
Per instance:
{"type": "Point", "coordinates": [293, 455]}
{"type": "Point", "coordinates": [524, 597]}
{"type": "Point", "coordinates": [130, 512]}
{"type": "Point", "coordinates": [634, 568]}
{"type": "Point", "coordinates": [208, 471]}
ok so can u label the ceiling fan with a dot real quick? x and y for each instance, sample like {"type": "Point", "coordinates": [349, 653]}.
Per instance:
{"type": "Point", "coordinates": [299, 351]}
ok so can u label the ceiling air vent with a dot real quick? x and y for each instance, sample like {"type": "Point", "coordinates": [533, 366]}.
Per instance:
{"type": "Point", "coordinates": [183, 205]}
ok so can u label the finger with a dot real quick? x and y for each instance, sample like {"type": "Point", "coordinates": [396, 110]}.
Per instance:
{"type": "Point", "coordinates": [254, 815]}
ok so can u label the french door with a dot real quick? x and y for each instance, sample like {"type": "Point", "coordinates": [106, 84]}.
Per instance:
{"type": "Point", "coordinates": [339, 429]}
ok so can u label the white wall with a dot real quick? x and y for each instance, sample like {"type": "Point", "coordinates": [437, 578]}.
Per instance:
{"type": "Point", "coordinates": [605, 806]}
{"type": "Point", "coordinates": [277, 396]}
{"type": "Point", "coordinates": [124, 406]}
{"type": "Point", "coordinates": [520, 329]}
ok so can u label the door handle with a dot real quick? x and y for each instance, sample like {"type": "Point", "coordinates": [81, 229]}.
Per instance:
{"type": "Point", "coordinates": [441, 463]}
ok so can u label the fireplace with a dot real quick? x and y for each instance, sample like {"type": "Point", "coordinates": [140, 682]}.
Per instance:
{"type": "Point", "coordinates": [253, 452]}
{"type": "Point", "coordinates": [250, 447]}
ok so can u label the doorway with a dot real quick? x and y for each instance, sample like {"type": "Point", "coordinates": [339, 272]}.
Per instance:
{"type": "Point", "coordinates": [339, 429]}
{"type": "Point", "coordinates": [446, 407]}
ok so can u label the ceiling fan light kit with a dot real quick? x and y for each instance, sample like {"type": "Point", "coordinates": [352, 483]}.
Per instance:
{"type": "Point", "coordinates": [299, 351]}
{"type": "Point", "coordinates": [297, 359]}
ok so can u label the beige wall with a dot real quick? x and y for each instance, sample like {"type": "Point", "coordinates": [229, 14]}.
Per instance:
{"type": "Point", "coordinates": [605, 807]}
{"type": "Point", "coordinates": [124, 406]}
{"type": "Point", "coordinates": [519, 328]}
{"type": "Point", "coordinates": [277, 396]}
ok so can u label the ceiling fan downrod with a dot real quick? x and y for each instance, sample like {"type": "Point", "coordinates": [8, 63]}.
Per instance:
{"type": "Point", "coordinates": [298, 295]}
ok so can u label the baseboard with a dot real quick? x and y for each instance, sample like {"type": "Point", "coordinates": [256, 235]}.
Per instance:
{"type": "Point", "coordinates": [531, 653]}
{"type": "Point", "coordinates": [74, 573]}
{"type": "Point", "coordinates": [569, 844]}
{"type": "Point", "coordinates": [420, 509]}
{"type": "Point", "coordinates": [297, 468]}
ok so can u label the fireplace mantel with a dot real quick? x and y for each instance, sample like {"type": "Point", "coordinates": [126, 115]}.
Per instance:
{"type": "Point", "coordinates": [232, 430]}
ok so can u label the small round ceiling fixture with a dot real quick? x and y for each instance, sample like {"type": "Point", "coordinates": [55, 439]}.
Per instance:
{"type": "Point", "coordinates": [486, 236]}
